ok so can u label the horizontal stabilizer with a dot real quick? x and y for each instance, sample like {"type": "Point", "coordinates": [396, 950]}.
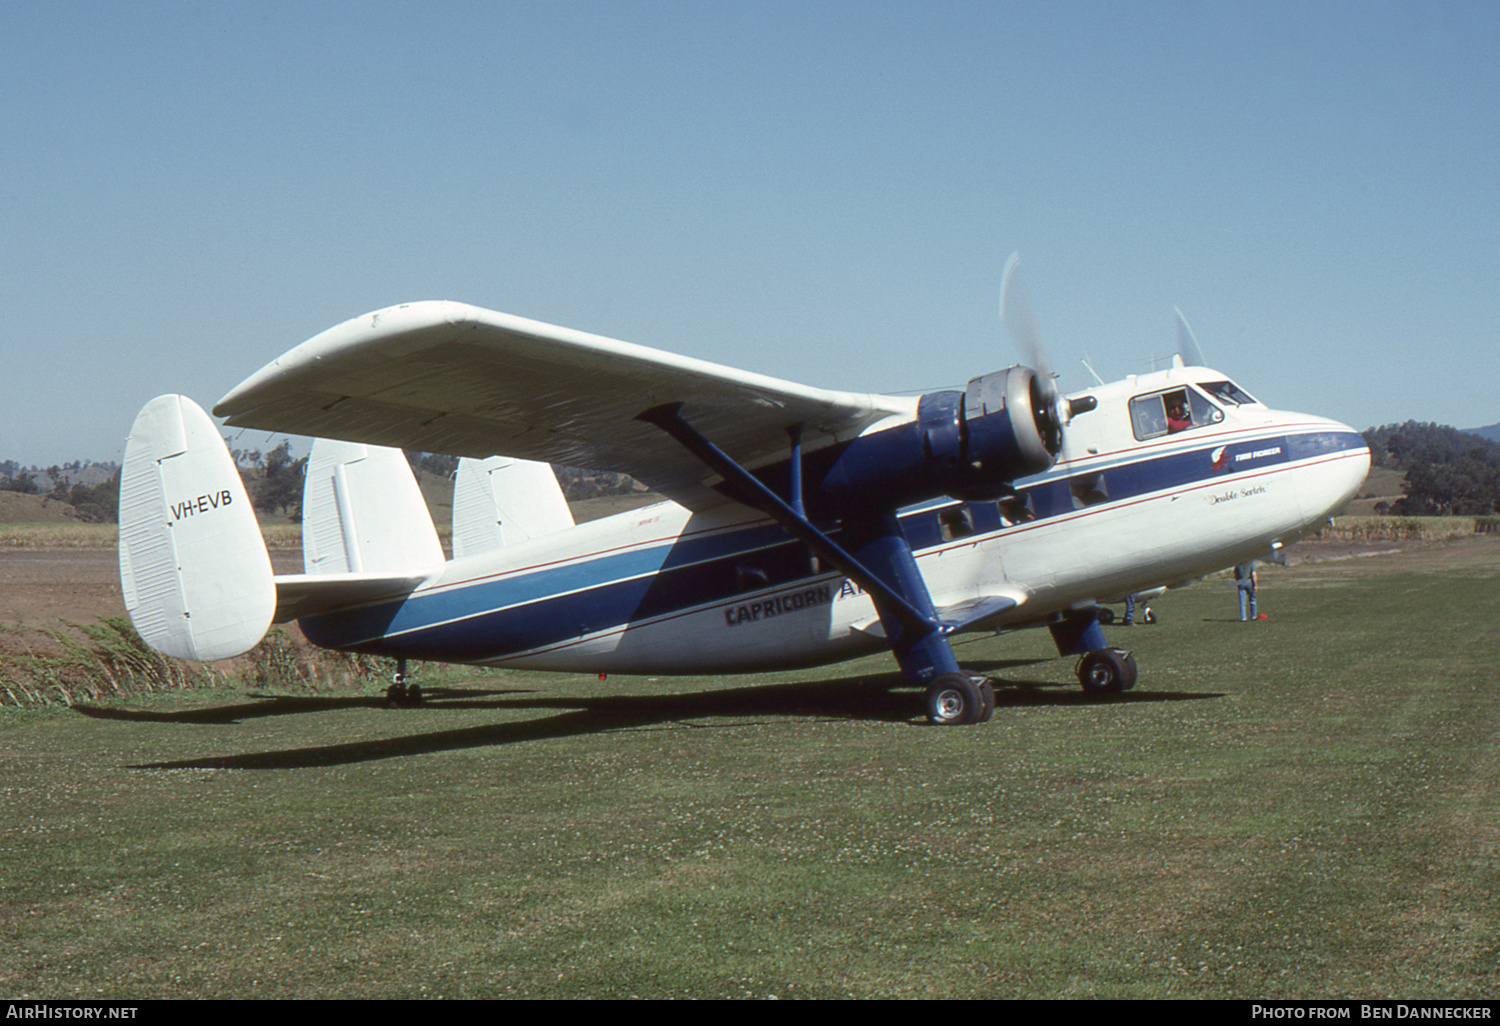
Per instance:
{"type": "Point", "coordinates": [193, 566]}
{"type": "Point", "coordinates": [502, 501]}
{"type": "Point", "coordinates": [362, 513]}
{"type": "Point", "coordinates": [299, 595]}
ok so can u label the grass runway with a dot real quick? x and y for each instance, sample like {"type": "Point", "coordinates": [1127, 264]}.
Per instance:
{"type": "Point", "coordinates": [1305, 807]}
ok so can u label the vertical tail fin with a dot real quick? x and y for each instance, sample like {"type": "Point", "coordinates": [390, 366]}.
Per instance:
{"type": "Point", "coordinates": [193, 566]}
{"type": "Point", "coordinates": [500, 501]}
{"type": "Point", "coordinates": [362, 512]}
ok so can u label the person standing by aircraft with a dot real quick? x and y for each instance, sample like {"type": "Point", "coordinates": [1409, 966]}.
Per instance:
{"type": "Point", "coordinates": [1245, 582]}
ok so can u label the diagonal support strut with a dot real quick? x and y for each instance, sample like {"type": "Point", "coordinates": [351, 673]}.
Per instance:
{"type": "Point", "coordinates": [917, 638]}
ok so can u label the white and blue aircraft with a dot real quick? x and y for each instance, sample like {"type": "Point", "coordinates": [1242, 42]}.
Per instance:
{"type": "Point", "coordinates": [802, 526]}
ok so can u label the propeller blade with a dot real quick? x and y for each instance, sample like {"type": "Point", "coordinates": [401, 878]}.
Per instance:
{"type": "Point", "coordinates": [1187, 345]}
{"type": "Point", "coordinates": [1016, 315]}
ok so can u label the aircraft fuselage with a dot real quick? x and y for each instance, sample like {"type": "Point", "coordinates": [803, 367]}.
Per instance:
{"type": "Point", "coordinates": [1130, 505]}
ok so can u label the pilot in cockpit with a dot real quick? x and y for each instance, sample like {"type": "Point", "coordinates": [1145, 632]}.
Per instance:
{"type": "Point", "coordinates": [1178, 417]}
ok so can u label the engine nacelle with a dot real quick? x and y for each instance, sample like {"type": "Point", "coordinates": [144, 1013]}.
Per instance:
{"type": "Point", "coordinates": [1013, 428]}
{"type": "Point", "coordinates": [970, 445]}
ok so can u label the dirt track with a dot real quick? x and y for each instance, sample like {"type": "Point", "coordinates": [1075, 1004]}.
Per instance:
{"type": "Point", "coordinates": [44, 586]}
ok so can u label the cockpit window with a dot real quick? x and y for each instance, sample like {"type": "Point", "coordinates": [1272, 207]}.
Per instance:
{"type": "Point", "coordinates": [1227, 392]}
{"type": "Point", "coordinates": [1166, 413]}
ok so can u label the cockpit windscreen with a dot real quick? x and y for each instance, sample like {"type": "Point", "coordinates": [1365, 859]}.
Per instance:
{"type": "Point", "coordinates": [1227, 392]}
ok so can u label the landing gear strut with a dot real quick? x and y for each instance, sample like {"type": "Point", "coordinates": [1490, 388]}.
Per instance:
{"type": "Point", "coordinates": [401, 695]}
{"type": "Point", "coordinates": [874, 554]}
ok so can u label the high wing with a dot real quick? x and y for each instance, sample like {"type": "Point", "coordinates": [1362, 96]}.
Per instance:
{"type": "Point", "coordinates": [452, 378]}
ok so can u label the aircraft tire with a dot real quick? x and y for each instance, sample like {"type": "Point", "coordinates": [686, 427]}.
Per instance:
{"type": "Point", "coordinates": [403, 696]}
{"type": "Point", "coordinates": [987, 701]}
{"type": "Point", "coordinates": [1107, 671]}
{"type": "Point", "coordinates": [953, 699]}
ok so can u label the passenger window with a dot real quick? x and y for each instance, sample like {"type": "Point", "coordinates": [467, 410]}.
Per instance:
{"type": "Point", "coordinates": [1088, 490]}
{"type": "Point", "coordinates": [1016, 509]}
{"type": "Point", "coordinates": [955, 523]}
{"type": "Point", "coordinates": [750, 578]}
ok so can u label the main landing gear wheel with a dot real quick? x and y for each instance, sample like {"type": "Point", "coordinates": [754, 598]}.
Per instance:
{"type": "Point", "coordinates": [401, 695]}
{"type": "Point", "coordinates": [955, 698]}
{"type": "Point", "coordinates": [1107, 671]}
{"type": "Point", "coordinates": [986, 696]}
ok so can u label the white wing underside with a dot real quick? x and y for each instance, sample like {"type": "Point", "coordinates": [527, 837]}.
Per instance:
{"type": "Point", "coordinates": [452, 378]}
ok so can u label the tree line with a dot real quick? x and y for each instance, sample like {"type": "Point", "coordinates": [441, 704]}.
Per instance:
{"type": "Point", "coordinates": [1448, 472]}
{"type": "Point", "coordinates": [273, 479]}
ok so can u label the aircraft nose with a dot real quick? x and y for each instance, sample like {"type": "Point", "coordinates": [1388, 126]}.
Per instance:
{"type": "Point", "coordinates": [1340, 470]}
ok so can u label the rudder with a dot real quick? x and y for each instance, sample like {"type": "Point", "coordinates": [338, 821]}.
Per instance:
{"type": "Point", "coordinates": [194, 571]}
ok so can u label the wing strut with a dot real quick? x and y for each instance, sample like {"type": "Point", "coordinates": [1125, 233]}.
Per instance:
{"type": "Point", "coordinates": [882, 563]}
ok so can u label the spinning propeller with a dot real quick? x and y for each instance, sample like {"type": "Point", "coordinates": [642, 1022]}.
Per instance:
{"type": "Point", "coordinates": [1019, 320]}
{"type": "Point", "coordinates": [1187, 344]}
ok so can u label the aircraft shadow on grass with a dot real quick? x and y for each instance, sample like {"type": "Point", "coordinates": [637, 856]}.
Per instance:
{"type": "Point", "coordinates": [879, 698]}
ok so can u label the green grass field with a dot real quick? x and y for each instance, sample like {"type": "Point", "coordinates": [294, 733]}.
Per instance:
{"type": "Point", "coordinates": [1308, 806]}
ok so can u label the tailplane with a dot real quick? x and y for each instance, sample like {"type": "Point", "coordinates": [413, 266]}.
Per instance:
{"type": "Point", "coordinates": [193, 567]}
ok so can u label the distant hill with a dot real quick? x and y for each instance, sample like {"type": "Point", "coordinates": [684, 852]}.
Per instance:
{"type": "Point", "coordinates": [16, 508]}
{"type": "Point", "coordinates": [1492, 432]}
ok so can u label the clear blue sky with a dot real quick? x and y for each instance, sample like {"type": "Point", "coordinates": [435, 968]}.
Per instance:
{"type": "Point", "coordinates": [821, 191]}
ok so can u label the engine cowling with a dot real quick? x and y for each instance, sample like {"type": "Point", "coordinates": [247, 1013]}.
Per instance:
{"type": "Point", "coordinates": [969, 445]}
{"type": "Point", "coordinates": [1013, 428]}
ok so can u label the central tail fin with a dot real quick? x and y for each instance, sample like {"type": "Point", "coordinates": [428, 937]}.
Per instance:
{"type": "Point", "coordinates": [362, 512]}
{"type": "Point", "coordinates": [501, 501]}
{"type": "Point", "coordinates": [193, 566]}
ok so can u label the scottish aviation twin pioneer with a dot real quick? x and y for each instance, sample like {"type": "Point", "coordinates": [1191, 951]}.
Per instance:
{"type": "Point", "coordinates": [803, 525]}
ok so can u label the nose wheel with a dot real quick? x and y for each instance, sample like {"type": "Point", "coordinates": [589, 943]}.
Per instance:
{"type": "Point", "coordinates": [1106, 671]}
